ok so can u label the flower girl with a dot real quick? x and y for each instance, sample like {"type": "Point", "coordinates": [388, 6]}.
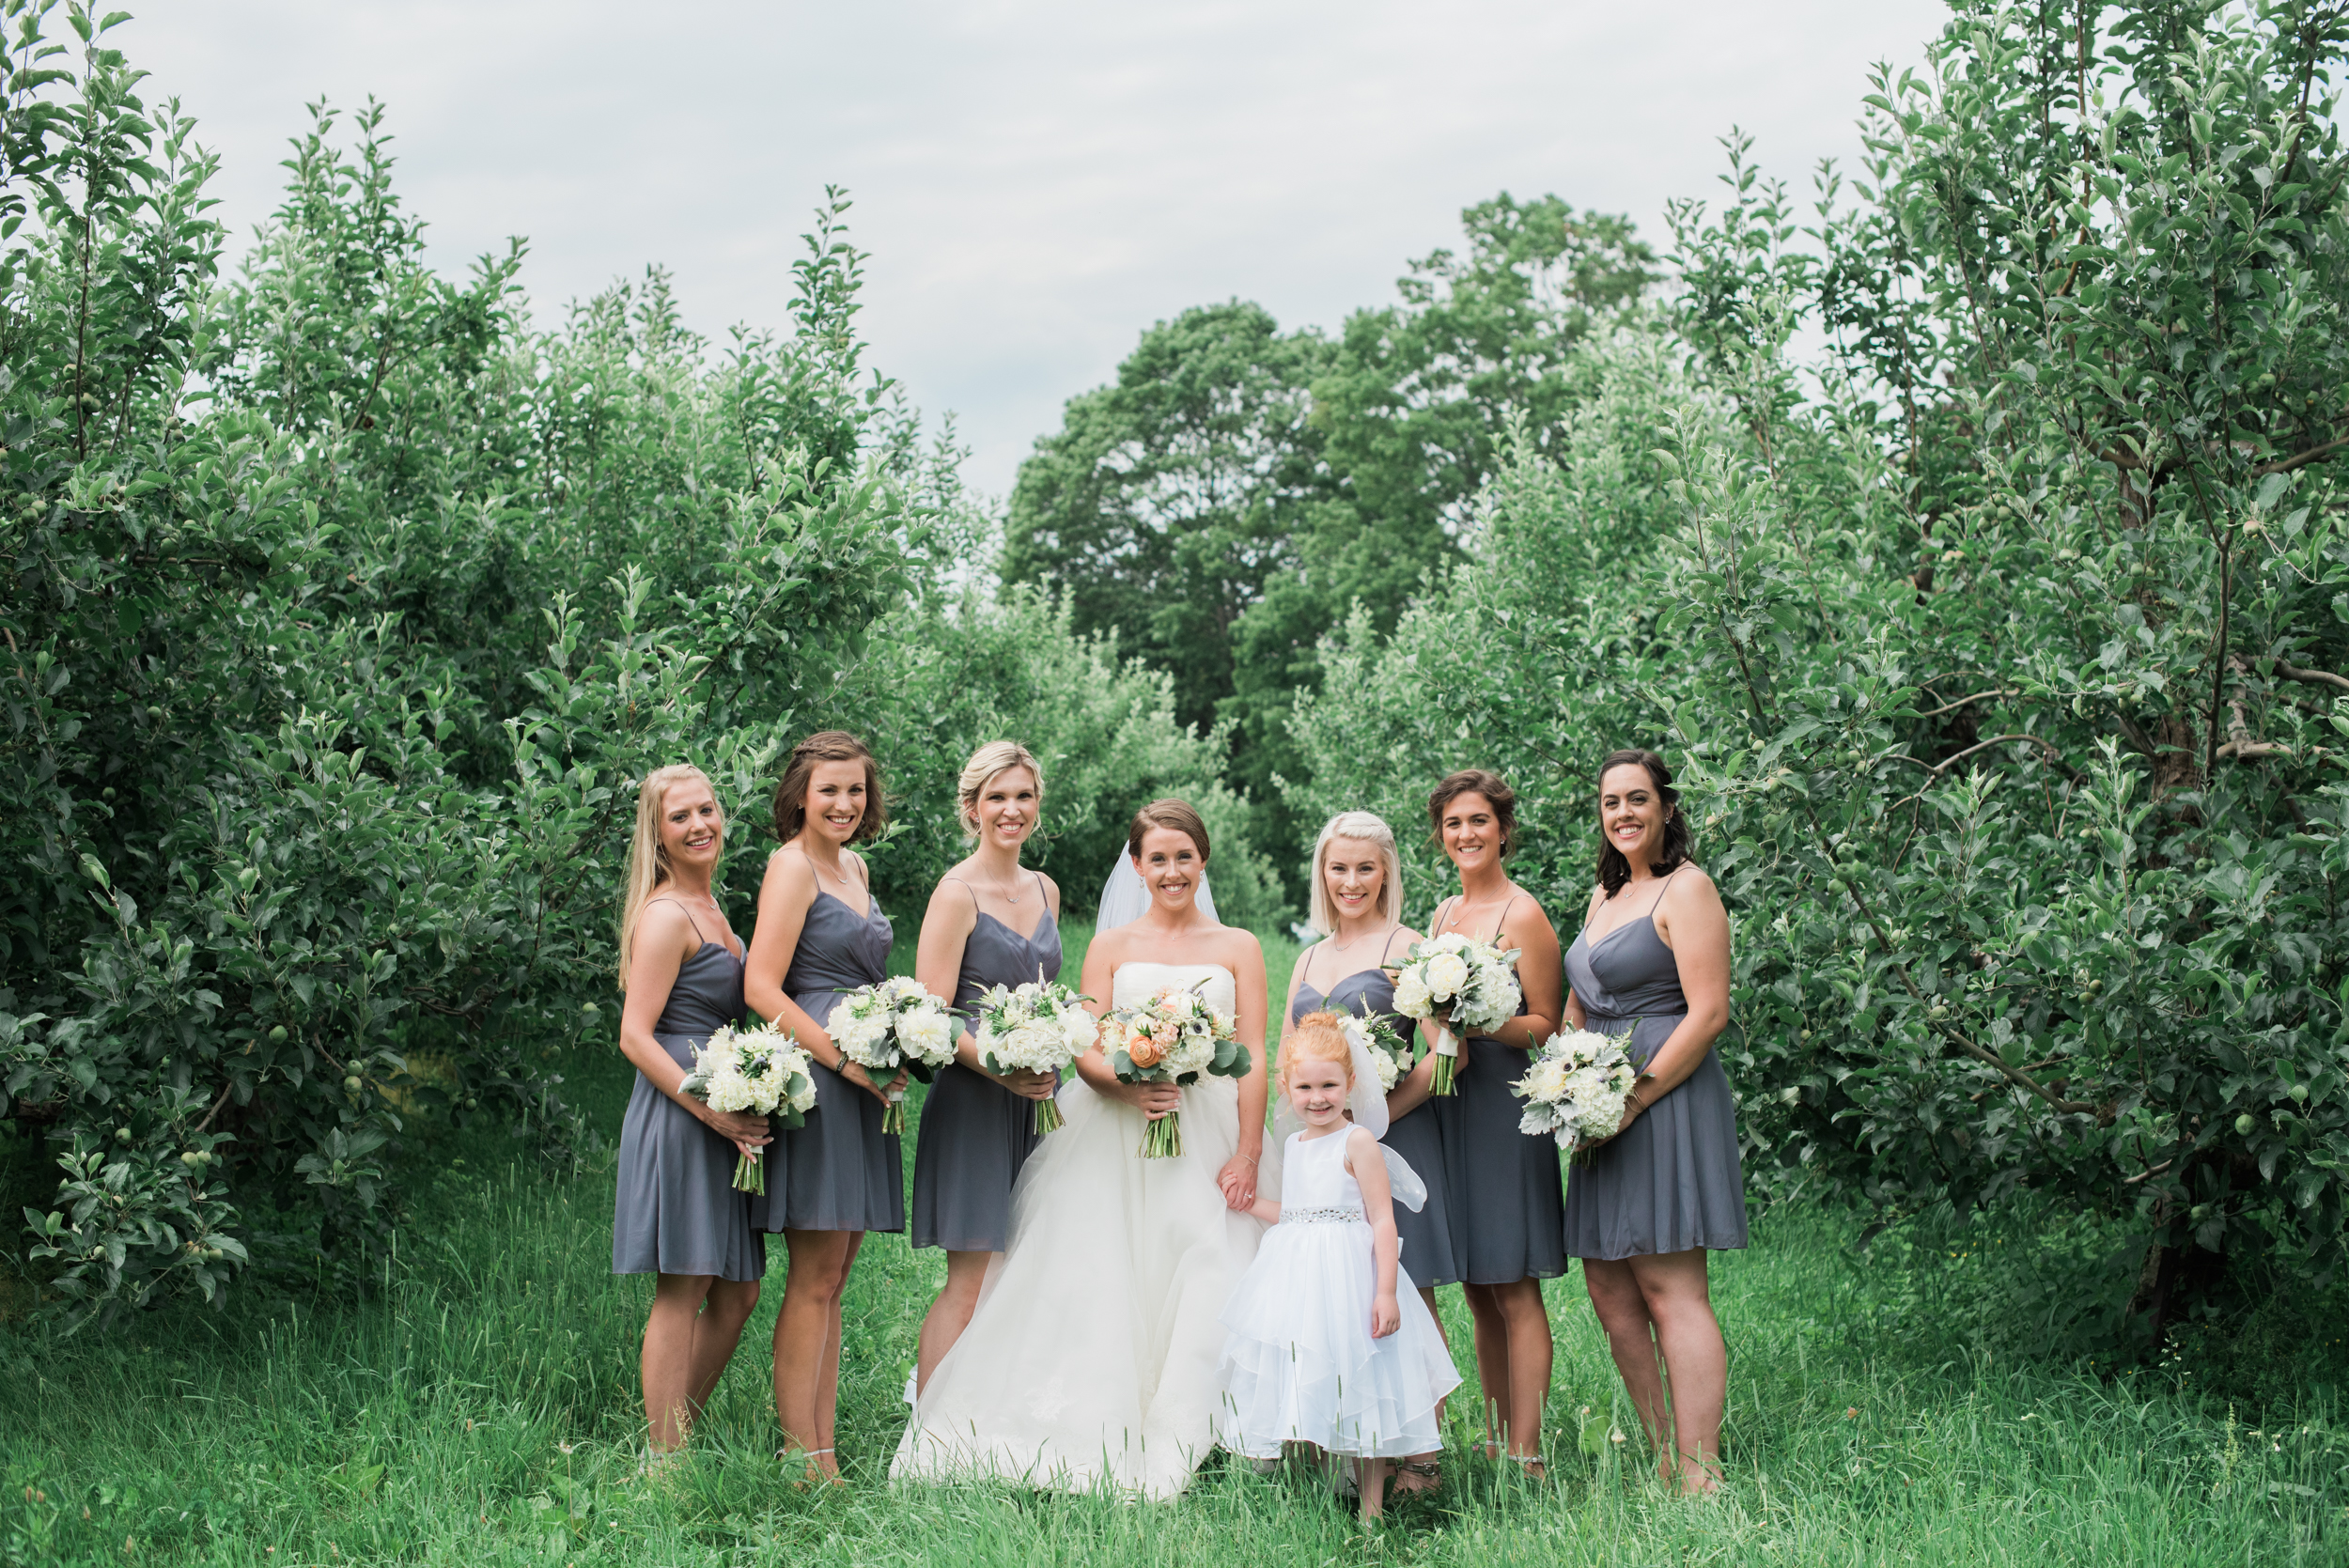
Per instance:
{"type": "Point", "coordinates": [1328, 1343]}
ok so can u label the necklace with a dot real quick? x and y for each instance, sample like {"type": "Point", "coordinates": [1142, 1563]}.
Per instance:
{"type": "Point", "coordinates": [1337, 946]}
{"type": "Point", "coordinates": [834, 875]}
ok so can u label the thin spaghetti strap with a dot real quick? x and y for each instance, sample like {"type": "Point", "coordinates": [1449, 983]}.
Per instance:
{"type": "Point", "coordinates": [671, 898]}
{"type": "Point", "coordinates": [1502, 922]}
{"type": "Point", "coordinates": [1388, 946]}
{"type": "Point", "coordinates": [1659, 900]}
{"type": "Point", "coordinates": [973, 892]}
{"type": "Point", "coordinates": [1042, 896]}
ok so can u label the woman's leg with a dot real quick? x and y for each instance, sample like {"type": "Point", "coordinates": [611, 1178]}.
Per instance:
{"type": "Point", "coordinates": [828, 1390]}
{"type": "Point", "coordinates": [1513, 1359]}
{"type": "Point", "coordinates": [1679, 1299]}
{"type": "Point", "coordinates": [810, 1308]}
{"type": "Point", "coordinates": [1492, 1360]}
{"type": "Point", "coordinates": [668, 1358]}
{"type": "Point", "coordinates": [717, 1331]}
{"type": "Point", "coordinates": [1370, 1480]}
{"type": "Point", "coordinates": [1622, 1313]}
{"type": "Point", "coordinates": [950, 1314]}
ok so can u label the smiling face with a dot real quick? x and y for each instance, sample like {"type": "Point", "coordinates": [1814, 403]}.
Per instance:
{"type": "Point", "coordinates": [836, 800]}
{"type": "Point", "coordinates": [1316, 1092]}
{"type": "Point", "coordinates": [1170, 867]}
{"type": "Point", "coordinates": [1006, 810]}
{"type": "Point", "coordinates": [1472, 831]}
{"type": "Point", "coordinates": [692, 829]}
{"type": "Point", "coordinates": [1631, 813]}
{"type": "Point", "coordinates": [1354, 876]}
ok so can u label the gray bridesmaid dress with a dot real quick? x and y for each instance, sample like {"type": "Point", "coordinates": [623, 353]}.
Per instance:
{"type": "Point", "coordinates": [1674, 1181]}
{"type": "Point", "coordinates": [677, 1211]}
{"type": "Point", "coordinates": [975, 1134]}
{"type": "Point", "coordinates": [1509, 1209]}
{"type": "Point", "coordinates": [838, 1171]}
{"type": "Point", "coordinates": [1432, 1239]}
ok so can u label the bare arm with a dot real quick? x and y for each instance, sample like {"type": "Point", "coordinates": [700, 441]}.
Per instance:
{"type": "Point", "coordinates": [1695, 926]}
{"type": "Point", "coordinates": [1368, 1168]}
{"type": "Point", "coordinates": [946, 928]}
{"type": "Point", "coordinates": [1576, 1016]}
{"type": "Point", "coordinates": [1528, 929]}
{"type": "Point", "coordinates": [1248, 968]}
{"type": "Point", "coordinates": [664, 940]}
{"type": "Point", "coordinates": [784, 897]}
{"type": "Point", "coordinates": [1101, 971]}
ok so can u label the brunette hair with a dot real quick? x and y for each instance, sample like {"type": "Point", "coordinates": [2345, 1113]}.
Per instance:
{"type": "Point", "coordinates": [791, 792]}
{"type": "Point", "coordinates": [1477, 780]}
{"type": "Point", "coordinates": [1318, 1037]}
{"type": "Point", "coordinates": [1370, 829]}
{"type": "Point", "coordinates": [648, 857]}
{"type": "Point", "coordinates": [995, 758]}
{"type": "Point", "coordinates": [1614, 870]}
{"type": "Point", "coordinates": [1177, 814]}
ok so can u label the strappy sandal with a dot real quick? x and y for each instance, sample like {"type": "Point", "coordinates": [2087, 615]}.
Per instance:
{"type": "Point", "coordinates": [1533, 1466]}
{"type": "Point", "coordinates": [816, 1472]}
{"type": "Point", "coordinates": [1427, 1470]}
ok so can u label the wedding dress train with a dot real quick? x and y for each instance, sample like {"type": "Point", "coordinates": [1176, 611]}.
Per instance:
{"type": "Point", "coordinates": [1091, 1356]}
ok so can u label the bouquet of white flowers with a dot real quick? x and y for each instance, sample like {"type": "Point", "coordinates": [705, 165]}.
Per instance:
{"type": "Point", "coordinates": [1459, 981]}
{"type": "Point", "coordinates": [1174, 1037]}
{"type": "Point", "coordinates": [1040, 1027]}
{"type": "Point", "coordinates": [895, 1023]}
{"type": "Point", "coordinates": [1390, 1053]}
{"type": "Point", "coordinates": [1575, 1088]}
{"type": "Point", "coordinates": [760, 1070]}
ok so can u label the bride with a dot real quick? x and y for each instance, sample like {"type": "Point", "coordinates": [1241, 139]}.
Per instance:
{"type": "Point", "coordinates": [1091, 1356]}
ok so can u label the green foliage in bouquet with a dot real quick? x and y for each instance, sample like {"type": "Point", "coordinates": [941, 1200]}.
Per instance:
{"type": "Point", "coordinates": [2004, 653]}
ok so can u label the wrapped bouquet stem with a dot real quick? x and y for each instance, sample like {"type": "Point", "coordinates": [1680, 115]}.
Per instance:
{"type": "Point", "coordinates": [1040, 1027]}
{"type": "Point", "coordinates": [895, 1024]}
{"type": "Point", "coordinates": [1174, 1037]}
{"type": "Point", "coordinates": [1462, 986]}
{"type": "Point", "coordinates": [762, 1071]}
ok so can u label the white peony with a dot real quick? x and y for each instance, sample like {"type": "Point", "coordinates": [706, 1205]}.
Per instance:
{"type": "Point", "coordinates": [927, 1035]}
{"type": "Point", "coordinates": [1447, 972]}
{"type": "Point", "coordinates": [1411, 998]}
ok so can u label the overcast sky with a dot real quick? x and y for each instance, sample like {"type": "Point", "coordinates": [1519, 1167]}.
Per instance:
{"type": "Point", "coordinates": [1037, 181]}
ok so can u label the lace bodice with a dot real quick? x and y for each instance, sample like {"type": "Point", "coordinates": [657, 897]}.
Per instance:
{"type": "Point", "coordinates": [1135, 983]}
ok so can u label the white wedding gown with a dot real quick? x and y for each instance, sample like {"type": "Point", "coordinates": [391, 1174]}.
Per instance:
{"type": "Point", "coordinates": [1090, 1361]}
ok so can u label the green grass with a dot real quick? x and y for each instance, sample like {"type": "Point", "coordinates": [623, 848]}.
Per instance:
{"type": "Point", "coordinates": [483, 1411]}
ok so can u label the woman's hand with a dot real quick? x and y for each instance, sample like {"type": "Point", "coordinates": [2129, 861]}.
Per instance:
{"type": "Point", "coordinates": [745, 1129]}
{"type": "Point", "coordinates": [855, 1073]}
{"type": "Point", "coordinates": [1238, 1181]}
{"type": "Point", "coordinates": [1634, 1104]}
{"type": "Point", "coordinates": [1386, 1316]}
{"type": "Point", "coordinates": [1153, 1100]}
{"type": "Point", "coordinates": [1027, 1082]}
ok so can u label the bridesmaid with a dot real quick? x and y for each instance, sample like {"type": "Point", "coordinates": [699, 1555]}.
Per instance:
{"type": "Point", "coordinates": [1357, 884]}
{"type": "Point", "coordinates": [989, 924]}
{"type": "Point", "coordinates": [822, 934]}
{"type": "Point", "coordinates": [1505, 1182]}
{"type": "Point", "coordinates": [1652, 961]}
{"type": "Point", "coordinates": [677, 1216]}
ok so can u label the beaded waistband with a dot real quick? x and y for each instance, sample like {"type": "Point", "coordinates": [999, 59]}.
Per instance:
{"type": "Point", "coordinates": [1326, 1213]}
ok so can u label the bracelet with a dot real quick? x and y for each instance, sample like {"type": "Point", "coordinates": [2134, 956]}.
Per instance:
{"type": "Point", "coordinates": [1251, 1160]}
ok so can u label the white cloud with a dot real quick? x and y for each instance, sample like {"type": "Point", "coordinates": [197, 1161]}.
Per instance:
{"type": "Point", "coordinates": [1038, 179]}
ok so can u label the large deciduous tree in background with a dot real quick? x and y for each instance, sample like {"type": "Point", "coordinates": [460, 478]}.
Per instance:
{"type": "Point", "coordinates": [1227, 501]}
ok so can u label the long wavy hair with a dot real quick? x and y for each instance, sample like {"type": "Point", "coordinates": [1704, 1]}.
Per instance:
{"type": "Point", "coordinates": [1476, 781]}
{"type": "Point", "coordinates": [1371, 829]}
{"type": "Point", "coordinates": [1614, 869]}
{"type": "Point", "coordinates": [648, 857]}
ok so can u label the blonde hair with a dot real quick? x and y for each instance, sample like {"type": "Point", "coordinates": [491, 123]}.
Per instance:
{"type": "Point", "coordinates": [987, 764]}
{"type": "Point", "coordinates": [1372, 829]}
{"type": "Point", "coordinates": [647, 858]}
{"type": "Point", "coordinates": [1317, 1037]}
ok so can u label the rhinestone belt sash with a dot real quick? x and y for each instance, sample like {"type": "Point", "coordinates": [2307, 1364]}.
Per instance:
{"type": "Point", "coordinates": [1324, 1214]}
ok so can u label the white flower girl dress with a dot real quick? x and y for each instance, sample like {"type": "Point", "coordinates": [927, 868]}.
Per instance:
{"type": "Point", "coordinates": [1300, 1365]}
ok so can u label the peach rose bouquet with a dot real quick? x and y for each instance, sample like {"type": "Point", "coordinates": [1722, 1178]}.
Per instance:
{"type": "Point", "coordinates": [1174, 1037]}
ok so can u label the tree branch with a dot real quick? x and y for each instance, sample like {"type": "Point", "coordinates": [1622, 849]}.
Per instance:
{"type": "Point", "coordinates": [2314, 677]}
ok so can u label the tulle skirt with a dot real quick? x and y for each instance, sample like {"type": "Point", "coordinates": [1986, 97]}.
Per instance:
{"type": "Point", "coordinates": [1090, 1361]}
{"type": "Point", "coordinates": [1300, 1365]}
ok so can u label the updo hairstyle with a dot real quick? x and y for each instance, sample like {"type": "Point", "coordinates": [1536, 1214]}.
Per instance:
{"type": "Point", "coordinates": [987, 764]}
{"type": "Point", "coordinates": [1177, 814]}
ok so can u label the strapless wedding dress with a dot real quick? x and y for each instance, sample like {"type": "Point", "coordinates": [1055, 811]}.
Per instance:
{"type": "Point", "coordinates": [1090, 1361]}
